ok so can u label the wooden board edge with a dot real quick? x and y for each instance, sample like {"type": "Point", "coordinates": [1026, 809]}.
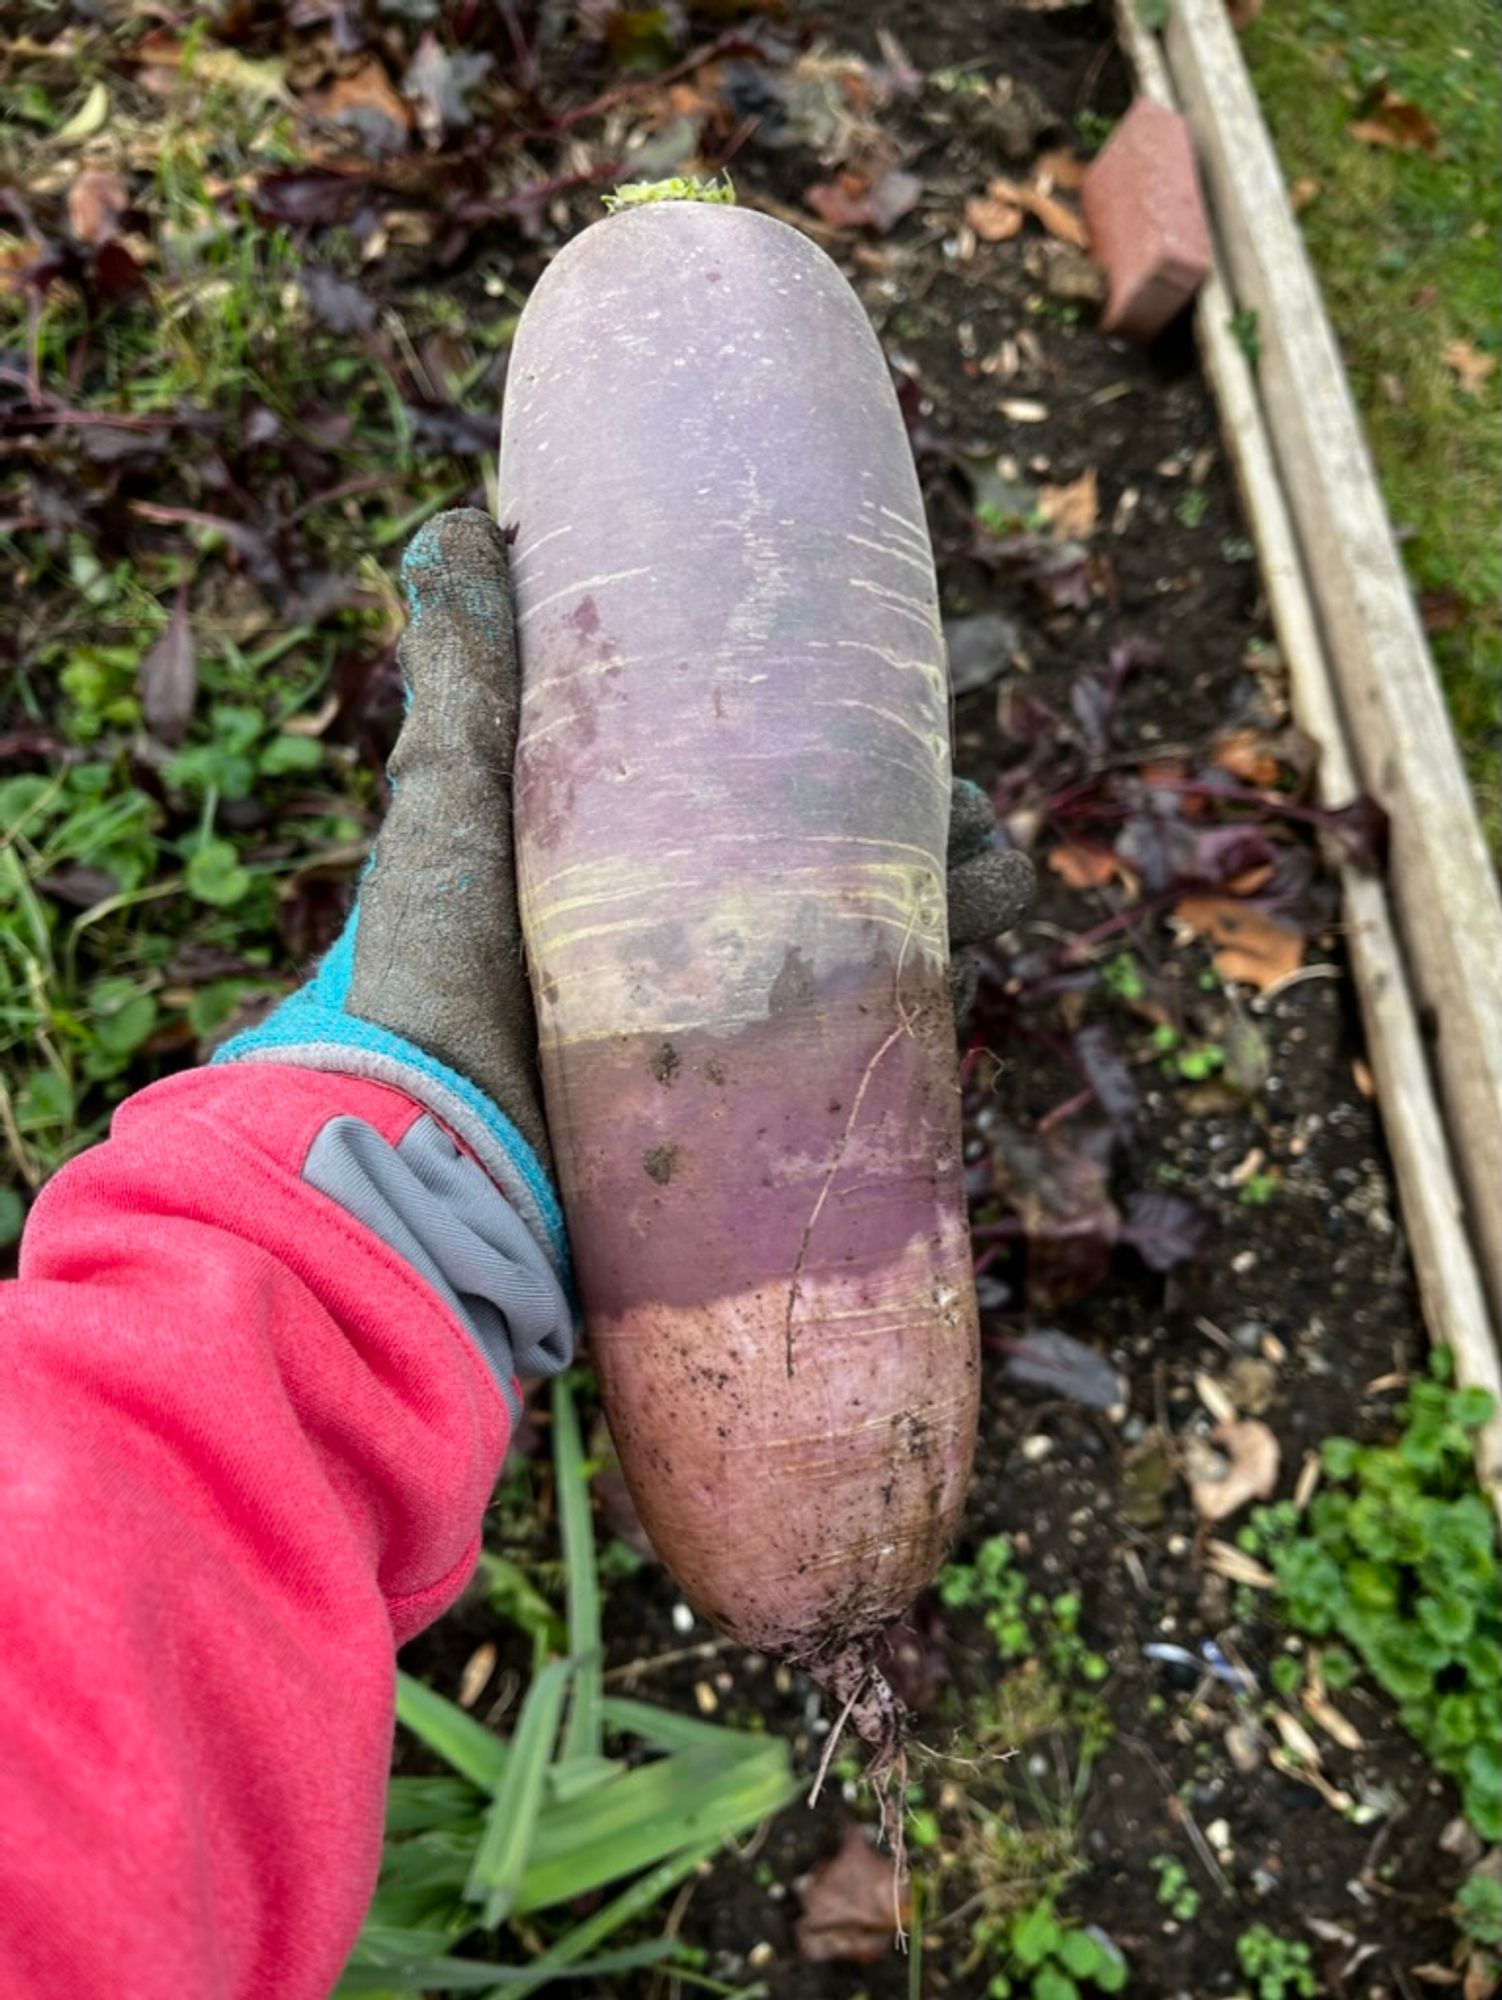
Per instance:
{"type": "Point", "coordinates": [1451, 1292]}
{"type": "Point", "coordinates": [1443, 891]}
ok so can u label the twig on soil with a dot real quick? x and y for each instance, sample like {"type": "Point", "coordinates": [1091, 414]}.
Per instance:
{"type": "Point", "coordinates": [1177, 1810]}
{"type": "Point", "coordinates": [649, 1663]}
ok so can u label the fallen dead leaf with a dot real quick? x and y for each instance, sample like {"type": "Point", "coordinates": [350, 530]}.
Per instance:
{"type": "Point", "coordinates": [1339, 1728]}
{"type": "Point", "coordinates": [992, 219]}
{"type": "Point", "coordinates": [1249, 947]}
{"type": "Point", "coordinates": [477, 1671]}
{"type": "Point", "coordinates": [1302, 191]}
{"type": "Point", "coordinates": [1080, 867]}
{"type": "Point", "coordinates": [1071, 509]}
{"type": "Point", "coordinates": [1246, 754]}
{"type": "Point", "coordinates": [1246, 1469]}
{"type": "Point", "coordinates": [855, 201]}
{"type": "Point", "coordinates": [1056, 217]}
{"type": "Point", "coordinates": [88, 119]}
{"type": "Point", "coordinates": [169, 677]}
{"type": "Point", "coordinates": [96, 202]}
{"type": "Point", "coordinates": [1470, 367]}
{"type": "Point", "coordinates": [366, 100]}
{"type": "Point", "coordinates": [1398, 125]}
{"type": "Point", "coordinates": [1296, 1738]}
{"type": "Point", "coordinates": [1062, 168]}
{"type": "Point", "coordinates": [852, 1906]}
{"type": "Point", "coordinates": [1226, 1560]}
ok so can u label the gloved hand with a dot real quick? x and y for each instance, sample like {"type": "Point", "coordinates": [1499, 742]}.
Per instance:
{"type": "Point", "coordinates": [426, 989]}
{"type": "Point", "coordinates": [990, 888]}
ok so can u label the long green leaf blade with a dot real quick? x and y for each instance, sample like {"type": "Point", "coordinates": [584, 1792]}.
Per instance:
{"type": "Point", "coordinates": [501, 1857]}
{"type": "Point", "coordinates": [451, 1734]}
{"type": "Point", "coordinates": [584, 1734]}
{"type": "Point", "coordinates": [468, 1975]}
{"type": "Point", "coordinates": [723, 1802]}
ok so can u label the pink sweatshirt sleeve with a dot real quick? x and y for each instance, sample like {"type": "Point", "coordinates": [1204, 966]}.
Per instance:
{"type": "Point", "coordinates": [244, 1454]}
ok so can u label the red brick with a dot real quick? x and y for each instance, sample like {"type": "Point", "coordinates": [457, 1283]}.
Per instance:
{"type": "Point", "coordinates": [1146, 219]}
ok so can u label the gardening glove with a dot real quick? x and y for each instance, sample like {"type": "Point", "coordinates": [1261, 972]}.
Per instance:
{"type": "Point", "coordinates": [990, 888]}
{"type": "Point", "coordinates": [426, 989]}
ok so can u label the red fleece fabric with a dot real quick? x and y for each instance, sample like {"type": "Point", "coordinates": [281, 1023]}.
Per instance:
{"type": "Point", "coordinates": [244, 1455]}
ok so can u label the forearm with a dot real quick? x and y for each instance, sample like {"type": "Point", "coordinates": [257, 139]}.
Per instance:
{"type": "Point", "coordinates": [245, 1448]}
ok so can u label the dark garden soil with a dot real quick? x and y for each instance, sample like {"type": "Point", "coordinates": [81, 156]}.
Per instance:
{"type": "Point", "coordinates": [1298, 1298]}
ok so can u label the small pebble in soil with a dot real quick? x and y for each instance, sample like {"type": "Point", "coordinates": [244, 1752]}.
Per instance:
{"type": "Point", "coordinates": [1036, 1448]}
{"type": "Point", "coordinates": [760, 1955]}
{"type": "Point", "coordinates": [683, 1617]}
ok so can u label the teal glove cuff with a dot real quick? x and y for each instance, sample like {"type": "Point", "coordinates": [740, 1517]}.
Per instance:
{"type": "Point", "coordinates": [314, 1029]}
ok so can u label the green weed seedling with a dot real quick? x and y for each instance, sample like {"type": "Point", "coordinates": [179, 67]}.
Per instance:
{"type": "Point", "coordinates": [1034, 1631]}
{"type": "Point", "coordinates": [1478, 1909]}
{"type": "Point", "coordinates": [1176, 1892]}
{"type": "Point", "coordinates": [591, 1796]}
{"type": "Point", "coordinates": [1398, 1565]}
{"type": "Point", "coordinates": [1054, 1958]}
{"type": "Point", "coordinates": [1279, 1968]}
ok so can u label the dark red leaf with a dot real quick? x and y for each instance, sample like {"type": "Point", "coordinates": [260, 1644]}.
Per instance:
{"type": "Point", "coordinates": [341, 306]}
{"type": "Point", "coordinates": [435, 87]}
{"type": "Point", "coordinates": [1056, 1364]}
{"type": "Point", "coordinates": [1361, 829]}
{"type": "Point", "coordinates": [440, 429]}
{"type": "Point", "coordinates": [117, 275]}
{"type": "Point", "coordinates": [169, 677]}
{"type": "Point", "coordinates": [310, 198]}
{"type": "Point", "coordinates": [1108, 1076]}
{"type": "Point", "coordinates": [1165, 1229]}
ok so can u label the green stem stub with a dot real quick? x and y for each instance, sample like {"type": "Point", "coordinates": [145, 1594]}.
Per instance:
{"type": "Point", "coordinates": [682, 187]}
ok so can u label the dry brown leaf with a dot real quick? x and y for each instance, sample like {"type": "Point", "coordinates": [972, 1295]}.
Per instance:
{"type": "Point", "coordinates": [363, 95]}
{"type": "Point", "coordinates": [1062, 168]}
{"type": "Point", "coordinates": [1246, 755]}
{"type": "Point", "coordinates": [1339, 1728]}
{"type": "Point", "coordinates": [1247, 1469]}
{"type": "Point", "coordinates": [96, 202]}
{"type": "Point", "coordinates": [1071, 509]}
{"type": "Point", "coordinates": [1057, 218]}
{"type": "Point", "coordinates": [477, 1671]}
{"type": "Point", "coordinates": [1236, 1566]}
{"type": "Point", "coordinates": [1398, 125]}
{"type": "Point", "coordinates": [1296, 1738]}
{"type": "Point", "coordinates": [1469, 365]}
{"type": "Point", "coordinates": [1302, 191]}
{"type": "Point", "coordinates": [855, 200]}
{"type": "Point", "coordinates": [1080, 867]}
{"type": "Point", "coordinates": [852, 1907]}
{"type": "Point", "coordinates": [992, 219]}
{"type": "Point", "coordinates": [1249, 947]}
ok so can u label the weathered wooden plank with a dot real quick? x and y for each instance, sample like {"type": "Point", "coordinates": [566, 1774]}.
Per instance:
{"type": "Point", "coordinates": [1444, 892]}
{"type": "Point", "coordinates": [1454, 1301]}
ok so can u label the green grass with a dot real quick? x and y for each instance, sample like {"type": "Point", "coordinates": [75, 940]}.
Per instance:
{"type": "Point", "coordinates": [1406, 247]}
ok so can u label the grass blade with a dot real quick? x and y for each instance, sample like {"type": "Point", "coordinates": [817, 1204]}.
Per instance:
{"type": "Point", "coordinates": [699, 1805]}
{"type": "Point", "coordinates": [665, 1729]}
{"type": "Point", "coordinates": [501, 1857]}
{"type": "Point", "coordinates": [584, 1734]}
{"type": "Point", "coordinates": [642, 1896]}
{"type": "Point", "coordinates": [469, 1975]}
{"type": "Point", "coordinates": [416, 1805]}
{"type": "Point", "coordinates": [451, 1734]}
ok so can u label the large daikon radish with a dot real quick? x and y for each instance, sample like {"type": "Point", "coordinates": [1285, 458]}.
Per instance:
{"type": "Point", "coordinates": [732, 794]}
